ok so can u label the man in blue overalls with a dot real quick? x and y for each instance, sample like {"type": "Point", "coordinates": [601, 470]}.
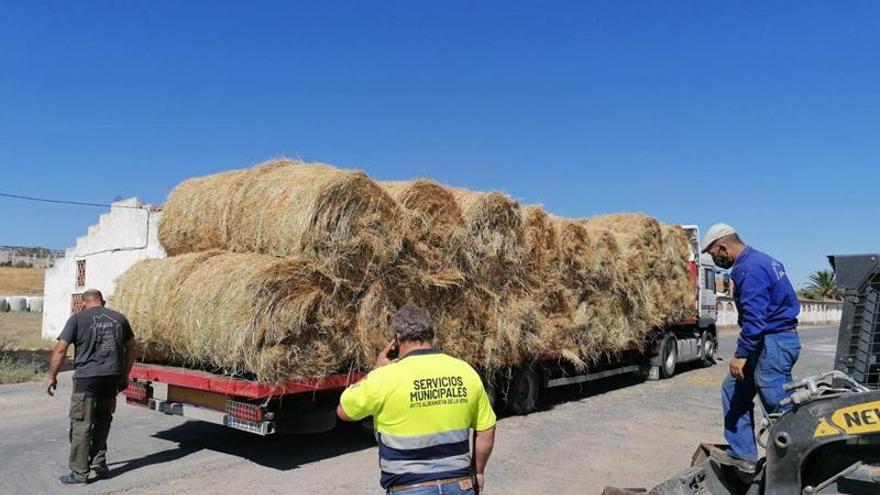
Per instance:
{"type": "Point", "coordinates": [768, 344]}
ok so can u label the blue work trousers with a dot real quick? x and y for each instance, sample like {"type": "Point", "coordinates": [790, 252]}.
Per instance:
{"type": "Point", "coordinates": [765, 374]}
{"type": "Point", "coordinates": [448, 489]}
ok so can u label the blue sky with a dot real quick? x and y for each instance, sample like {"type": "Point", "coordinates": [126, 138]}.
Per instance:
{"type": "Point", "coordinates": [761, 114]}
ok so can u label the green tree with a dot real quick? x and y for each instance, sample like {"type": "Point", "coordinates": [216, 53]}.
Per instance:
{"type": "Point", "coordinates": [822, 285]}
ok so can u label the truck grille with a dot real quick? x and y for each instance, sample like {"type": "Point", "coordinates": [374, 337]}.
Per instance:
{"type": "Point", "coordinates": [862, 356]}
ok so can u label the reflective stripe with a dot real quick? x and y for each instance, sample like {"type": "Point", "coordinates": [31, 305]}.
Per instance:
{"type": "Point", "coordinates": [422, 441]}
{"type": "Point", "coordinates": [426, 465]}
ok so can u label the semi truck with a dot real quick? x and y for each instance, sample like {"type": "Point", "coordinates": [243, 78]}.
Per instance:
{"type": "Point", "coordinates": [308, 406]}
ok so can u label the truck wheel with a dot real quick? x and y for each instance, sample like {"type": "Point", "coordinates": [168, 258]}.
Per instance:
{"type": "Point", "coordinates": [525, 389]}
{"type": "Point", "coordinates": [669, 357]}
{"type": "Point", "coordinates": [709, 346]}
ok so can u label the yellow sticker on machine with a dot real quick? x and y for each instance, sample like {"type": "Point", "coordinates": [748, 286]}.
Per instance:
{"type": "Point", "coordinates": [853, 420]}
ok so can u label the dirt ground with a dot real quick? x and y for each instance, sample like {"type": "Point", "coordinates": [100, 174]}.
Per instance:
{"type": "Point", "coordinates": [21, 281]}
{"type": "Point", "coordinates": [618, 432]}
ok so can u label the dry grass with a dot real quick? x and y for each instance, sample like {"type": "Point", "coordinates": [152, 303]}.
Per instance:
{"type": "Point", "coordinates": [20, 281]}
{"type": "Point", "coordinates": [23, 354]}
{"type": "Point", "coordinates": [22, 331]}
{"type": "Point", "coordinates": [17, 369]}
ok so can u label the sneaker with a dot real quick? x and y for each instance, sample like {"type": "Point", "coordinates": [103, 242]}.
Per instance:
{"type": "Point", "coordinates": [724, 458]}
{"type": "Point", "coordinates": [101, 470]}
{"type": "Point", "coordinates": [73, 479]}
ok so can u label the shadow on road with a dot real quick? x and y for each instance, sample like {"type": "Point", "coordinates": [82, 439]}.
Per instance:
{"type": "Point", "coordinates": [556, 396]}
{"type": "Point", "coordinates": [282, 452]}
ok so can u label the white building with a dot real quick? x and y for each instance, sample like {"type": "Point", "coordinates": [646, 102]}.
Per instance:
{"type": "Point", "coordinates": [812, 312]}
{"type": "Point", "coordinates": [122, 237]}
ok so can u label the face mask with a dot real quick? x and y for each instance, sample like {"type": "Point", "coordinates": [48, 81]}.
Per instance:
{"type": "Point", "coordinates": [722, 261]}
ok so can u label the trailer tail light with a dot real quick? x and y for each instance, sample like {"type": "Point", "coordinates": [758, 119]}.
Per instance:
{"type": "Point", "coordinates": [243, 411]}
{"type": "Point", "coordinates": [137, 392]}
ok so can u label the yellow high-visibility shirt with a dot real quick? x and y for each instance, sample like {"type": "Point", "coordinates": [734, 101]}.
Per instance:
{"type": "Point", "coordinates": [424, 408]}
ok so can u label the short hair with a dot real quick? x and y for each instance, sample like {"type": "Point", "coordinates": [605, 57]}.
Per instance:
{"type": "Point", "coordinates": [92, 295]}
{"type": "Point", "coordinates": [413, 323]}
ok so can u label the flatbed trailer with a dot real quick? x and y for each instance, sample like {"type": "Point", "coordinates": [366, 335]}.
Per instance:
{"type": "Point", "coordinates": [309, 405]}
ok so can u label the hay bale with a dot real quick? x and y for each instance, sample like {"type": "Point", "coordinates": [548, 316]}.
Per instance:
{"type": "Point", "coordinates": [195, 215]}
{"type": "Point", "coordinates": [494, 239]}
{"type": "Point", "coordinates": [575, 254]}
{"type": "Point", "coordinates": [146, 294]}
{"type": "Point", "coordinates": [433, 235]}
{"type": "Point", "coordinates": [680, 287]}
{"type": "Point", "coordinates": [17, 304]}
{"type": "Point", "coordinates": [35, 304]}
{"type": "Point", "coordinates": [240, 314]}
{"type": "Point", "coordinates": [541, 239]}
{"type": "Point", "coordinates": [373, 324]}
{"type": "Point", "coordinates": [340, 219]}
{"type": "Point", "coordinates": [434, 204]}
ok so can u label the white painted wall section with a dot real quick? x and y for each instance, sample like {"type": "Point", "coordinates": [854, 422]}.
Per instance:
{"type": "Point", "coordinates": [125, 235]}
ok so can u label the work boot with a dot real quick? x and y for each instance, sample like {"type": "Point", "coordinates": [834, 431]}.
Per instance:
{"type": "Point", "coordinates": [73, 479]}
{"type": "Point", "coordinates": [724, 458]}
{"type": "Point", "coordinates": [101, 470]}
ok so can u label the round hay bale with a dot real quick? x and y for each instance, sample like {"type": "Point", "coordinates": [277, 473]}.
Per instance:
{"type": "Point", "coordinates": [17, 304]}
{"type": "Point", "coordinates": [250, 315]}
{"type": "Point", "coordinates": [372, 326]}
{"type": "Point", "coordinates": [679, 287]}
{"type": "Point", "coordinates": [434, 204]}
{"type": "Point", "coordinates": [35, 304]}
{"type": "Point", "coordinates": [575, 254]}
{"type": "Point", "coordinates": [4, 305]}
{"type": "Point", "coordinates": [434, 232]}
{"type": "Point", "coordinates": [194, 217]}
{"type": "Point", "coordinates": [338, 218]}
{"type": "Point", "coordinates": [146, 294]}
{"type": "Point", "coordinates": [541, 239]}
{"type": "Point", "coordinates": [494, 238]}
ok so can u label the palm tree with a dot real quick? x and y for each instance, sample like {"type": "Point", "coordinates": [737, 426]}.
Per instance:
{"type": "Point", "coordinates": [822, 285]}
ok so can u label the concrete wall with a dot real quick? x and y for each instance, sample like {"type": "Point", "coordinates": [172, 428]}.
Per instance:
{"type": "Point", "coordinates": [121, 238]}
{"type": "Point", "coordinates": [812, 312]}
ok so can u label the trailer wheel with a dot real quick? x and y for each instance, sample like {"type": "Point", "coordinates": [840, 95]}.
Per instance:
{"type": "Point", "coordinates": [492, 385]}
{"type": "Point", "coordinates": [669, 355]}
{"type": "Point", "coordinates": [709, 347]}
{"type": "Point", "coordinates": [525, 390]}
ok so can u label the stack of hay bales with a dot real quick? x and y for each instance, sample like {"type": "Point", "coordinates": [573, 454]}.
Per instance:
{"type": "Point", "coordinates": [292, 270]}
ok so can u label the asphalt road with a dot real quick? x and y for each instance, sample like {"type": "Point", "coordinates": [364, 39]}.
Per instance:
{"type": "Point", "coordinates": [619, 432]}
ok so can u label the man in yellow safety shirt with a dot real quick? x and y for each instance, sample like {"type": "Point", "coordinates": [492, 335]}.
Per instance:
{"type": "Point", "coordinates": [424, 406]}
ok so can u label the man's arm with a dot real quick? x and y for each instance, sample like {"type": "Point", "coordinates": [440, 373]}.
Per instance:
{"type": "Point", "coordinates": [340, 413]}
{"type": "Point", "coordinates": [59, 352]}
{"type": "Point", "coordinates": [130, 356]}
{"type": "Point", "coordinates": [484, 442]}
{"type": "Point", "coordinates": [755, 286]}
{"type": "Point", "coordinates": [755, 289]}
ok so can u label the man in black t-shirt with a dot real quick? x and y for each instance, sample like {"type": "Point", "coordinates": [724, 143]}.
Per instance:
{"type": "Point", "coordinates": [103, 356]}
